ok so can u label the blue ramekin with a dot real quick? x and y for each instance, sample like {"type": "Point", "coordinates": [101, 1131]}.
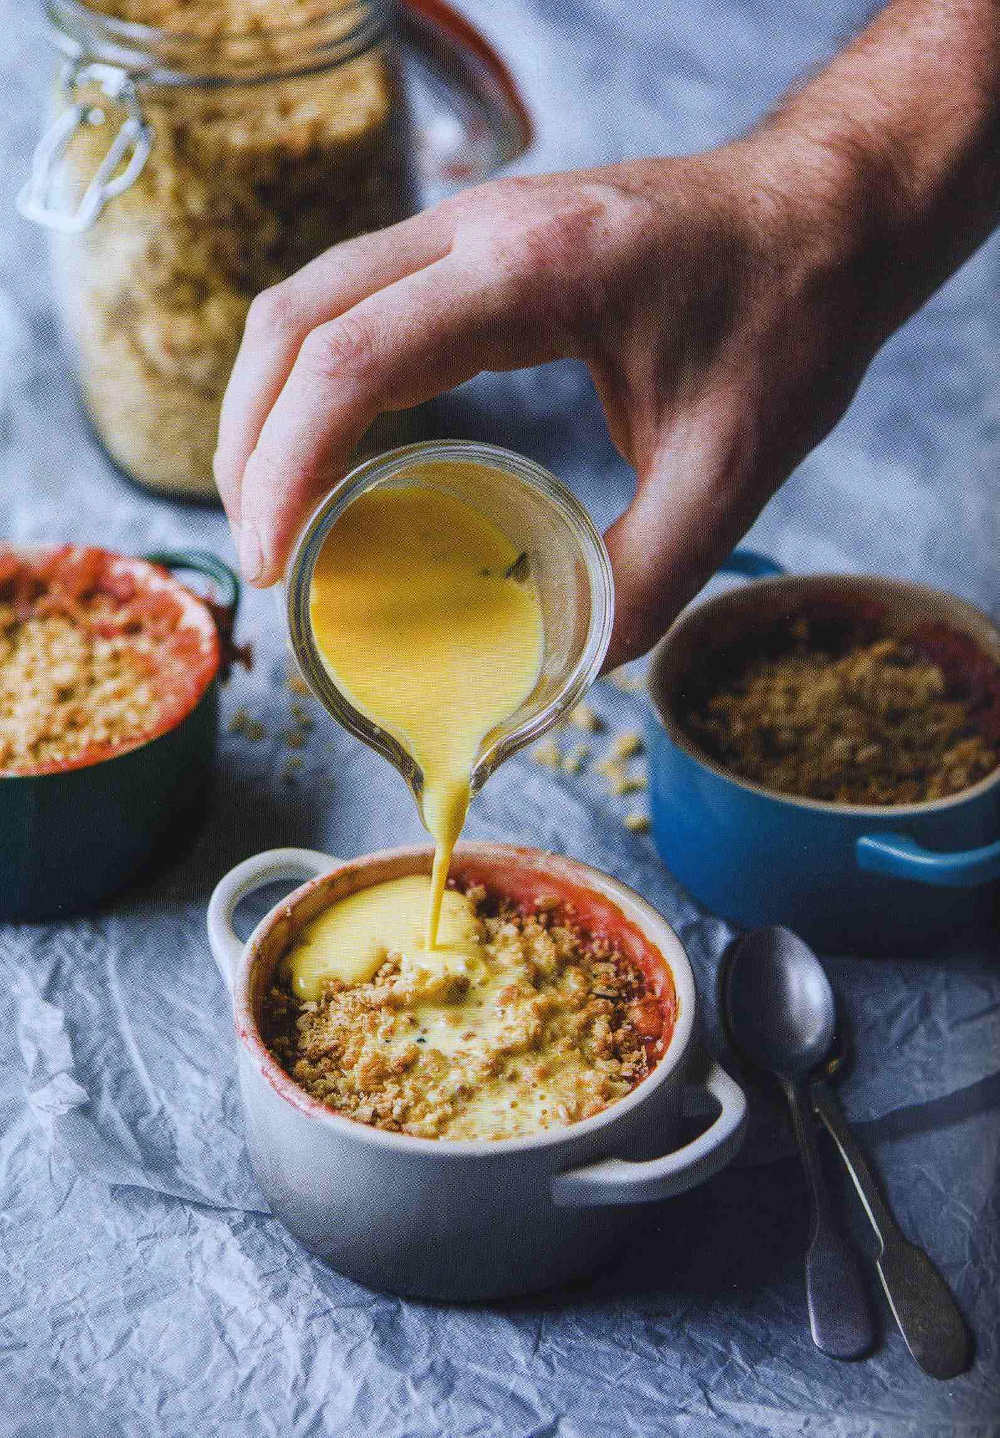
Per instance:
{"type": "Point", "coordinates": [869, 879]}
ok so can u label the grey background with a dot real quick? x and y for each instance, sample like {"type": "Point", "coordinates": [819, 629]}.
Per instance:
{"type": "Point", "coordinates": [144, 1289]}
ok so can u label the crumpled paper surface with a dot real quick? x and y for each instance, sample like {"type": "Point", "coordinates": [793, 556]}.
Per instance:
{"type": "Point", "coordinates": [145, 1288]}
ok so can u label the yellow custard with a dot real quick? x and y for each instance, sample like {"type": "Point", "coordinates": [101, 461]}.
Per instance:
{"type": "Point", "coordinates": [352, 940]}
{"type": "Point", "coordinates": [426, 630]}
{"type": "Point", "coordinates": [516, 1022]}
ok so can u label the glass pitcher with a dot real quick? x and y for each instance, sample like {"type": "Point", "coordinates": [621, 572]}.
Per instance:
{"type": "Point", "coordinates": [558, 544]}
{"type": "Point", "coordinates": [186, 169]}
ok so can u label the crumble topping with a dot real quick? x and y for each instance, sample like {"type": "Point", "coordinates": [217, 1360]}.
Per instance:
{"type": "Point", "coordinates": [561, 1026]}
{"type": "Point", "coordinates": [70, 684]}
{"type": "Point", "coordinates": [90, 662]}
{"type": "Point", "coordinates": [818, 709]}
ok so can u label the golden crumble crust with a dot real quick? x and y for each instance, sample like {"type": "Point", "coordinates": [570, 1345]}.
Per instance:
{"type": "Point", "coordinates": [562, 1026]}
{"type": "Point", "coordinates": [67, 685]}
{"type": "Point", "coordinates": [97, 655]}
{"type": "Point", "coordinates": [851, 718]}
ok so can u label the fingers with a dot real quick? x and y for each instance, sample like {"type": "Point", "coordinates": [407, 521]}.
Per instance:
{"type": "Point", "coordinates": [425, 333]}
{"type": "Point", "coordinates": [691, 506]}
{"type": "Point", "coordinates": [647, 558]}
{"type": "Point", "coordinates": [280, 319]}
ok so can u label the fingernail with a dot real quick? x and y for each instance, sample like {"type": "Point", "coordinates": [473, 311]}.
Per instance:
{"type": "Point", "coordinates": [251, 555]}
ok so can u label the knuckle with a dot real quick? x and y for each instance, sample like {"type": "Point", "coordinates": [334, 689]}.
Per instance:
{"type": "Point", "coordinates": [270, 311]}
{"type": "Point", "coordinates": [559, 260]}
{"type": "Point", "coordinates": [470, 204]}
{"type": "Point", "coordinates": [341, 350]}
{"type": "Point", "coordinates": [557, 239]}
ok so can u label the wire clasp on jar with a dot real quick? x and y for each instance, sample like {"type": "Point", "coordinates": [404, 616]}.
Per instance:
{"type": "Point", "coordinates": [130, 148]}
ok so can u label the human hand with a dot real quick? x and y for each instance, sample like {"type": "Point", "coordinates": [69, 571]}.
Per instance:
{"type": "Point", "coordinates": [726, 305]}
{"type": "Point", "coordinates": [688, 295]}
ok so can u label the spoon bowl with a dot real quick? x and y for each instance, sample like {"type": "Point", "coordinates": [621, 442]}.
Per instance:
{"type": "Point", "coordinates": [778, 1003]}
{"type": "Point", "coordinates": [780, 1012]}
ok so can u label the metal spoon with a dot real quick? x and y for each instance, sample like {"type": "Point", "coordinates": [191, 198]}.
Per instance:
{"type": "Point", "coordinates": [780, 1014]}
{"type": "Point", "coordinates": [921, 1303]}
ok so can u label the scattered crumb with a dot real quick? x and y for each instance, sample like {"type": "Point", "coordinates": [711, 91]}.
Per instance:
{"type": "Point", "coordinates": [290, 768]}
{"type": "Point", "coordinates": [632, 784]}
{"type": "Point", "coordinates": [547, 754]}
{"type": "Point", "coordinates": [298, 685]}
{"type": "Point", "coordinates": [613, 770]}
{"type": "Point", "coordinates": [584, 717]}
{"type": "Point", "coordinates": [618, 778]}
{"type": "Point", "coordinates": [302, 716]}
{"type": "Point", "coordinates": [627, 683]}
{"type": "Point", "coordinates": [626, 746]}
{"type": "Point", "coordinates": [244, 723]}
{"type": "Point", "coordinates": [575, 759]}
{"type": "Point", "coordinates": [637, 823]}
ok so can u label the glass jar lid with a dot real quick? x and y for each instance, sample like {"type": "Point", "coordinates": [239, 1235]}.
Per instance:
{"type": "Point", "coordinates": [326, 33]}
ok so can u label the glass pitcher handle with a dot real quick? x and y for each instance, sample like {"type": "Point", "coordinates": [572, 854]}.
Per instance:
{"type": "Point", "coordinates": [479, 121]}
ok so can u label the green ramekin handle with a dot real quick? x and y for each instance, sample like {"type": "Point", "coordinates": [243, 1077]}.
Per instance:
{"type": "Point", "coordinates": [223, 603]}
{"type": "Point", "coordinates": [202, 561]}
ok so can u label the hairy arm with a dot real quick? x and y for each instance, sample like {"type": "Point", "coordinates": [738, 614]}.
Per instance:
{"type": "Point", "coordinates": [727, 304]}
{"type": "Point", "coordinates": [902, 132]}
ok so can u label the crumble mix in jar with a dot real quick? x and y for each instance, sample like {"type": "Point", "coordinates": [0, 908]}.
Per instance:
{"type": "Point", "coordinates": [520, 1021]}
{"type": "Point", "coordinates": [274, 130]}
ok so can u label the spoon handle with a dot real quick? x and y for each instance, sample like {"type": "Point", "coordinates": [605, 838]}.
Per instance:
{"type": "Point", "coordinates": [921, 1301]}
{"type": "Point", "coordinates": [840, 1312]}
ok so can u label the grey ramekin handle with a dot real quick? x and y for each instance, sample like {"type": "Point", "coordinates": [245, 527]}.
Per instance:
{"type": "Point", "coordinates": [271, 867]}
{"type": "Point", "coordinates": [618, 1180]}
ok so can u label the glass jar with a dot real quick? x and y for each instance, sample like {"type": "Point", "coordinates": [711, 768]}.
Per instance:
{"type": "Point", "coordinates": [558, 545]}
{"type": "Point", "coordinates": [193, 162]}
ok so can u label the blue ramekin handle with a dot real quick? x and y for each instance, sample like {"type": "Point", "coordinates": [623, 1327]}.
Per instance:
{"type": "Point", "coordinates": [750, 563]}
{"type": "Point", "coordinates": [899, 857]}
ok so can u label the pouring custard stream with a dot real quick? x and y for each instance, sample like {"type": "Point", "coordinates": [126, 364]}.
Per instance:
{"type": "Point", "coordinates": [428, 627]}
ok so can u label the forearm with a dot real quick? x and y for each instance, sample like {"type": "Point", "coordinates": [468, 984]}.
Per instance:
{"type": "Point", "coordinates": [897, 142]}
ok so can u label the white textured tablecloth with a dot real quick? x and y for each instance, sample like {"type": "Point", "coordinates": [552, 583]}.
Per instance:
{"type": "Point", "coordinates": [145, 1288]}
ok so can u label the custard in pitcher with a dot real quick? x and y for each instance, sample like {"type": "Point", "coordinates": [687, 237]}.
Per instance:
{"type": "Point", "coordinates": [429, 626]}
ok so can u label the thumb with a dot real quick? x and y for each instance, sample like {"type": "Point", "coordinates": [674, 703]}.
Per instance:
{"type": "Point", "coordinates": [685, 518]}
